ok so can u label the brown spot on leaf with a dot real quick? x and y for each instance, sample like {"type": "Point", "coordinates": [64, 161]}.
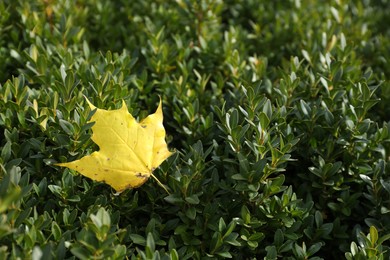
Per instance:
{"type": "Point", "coordinates": [128, 187]}
{"type": "Point", "coordinates": [140, 175]}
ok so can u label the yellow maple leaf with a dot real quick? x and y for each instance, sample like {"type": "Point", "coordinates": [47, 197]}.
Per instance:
{"type": "Point", "coordinates": [129, 151]}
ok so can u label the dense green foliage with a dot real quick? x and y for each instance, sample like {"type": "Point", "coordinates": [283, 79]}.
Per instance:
{"type": "Point", "coordinates": [278, 112]}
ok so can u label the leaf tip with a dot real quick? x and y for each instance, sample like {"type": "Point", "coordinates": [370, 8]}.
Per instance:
{"type": "Point", "coordinates": [64, 164]}
{"type": "Point", "coordinates": [159, 108]}
{"type": "Point", "coordinates": [89, 103]}
{"type": "Point", "coordinates": [124, 106]}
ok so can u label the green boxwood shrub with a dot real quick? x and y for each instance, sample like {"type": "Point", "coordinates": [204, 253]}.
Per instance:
{"type": "Point", "coordinates": [278, 113]}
